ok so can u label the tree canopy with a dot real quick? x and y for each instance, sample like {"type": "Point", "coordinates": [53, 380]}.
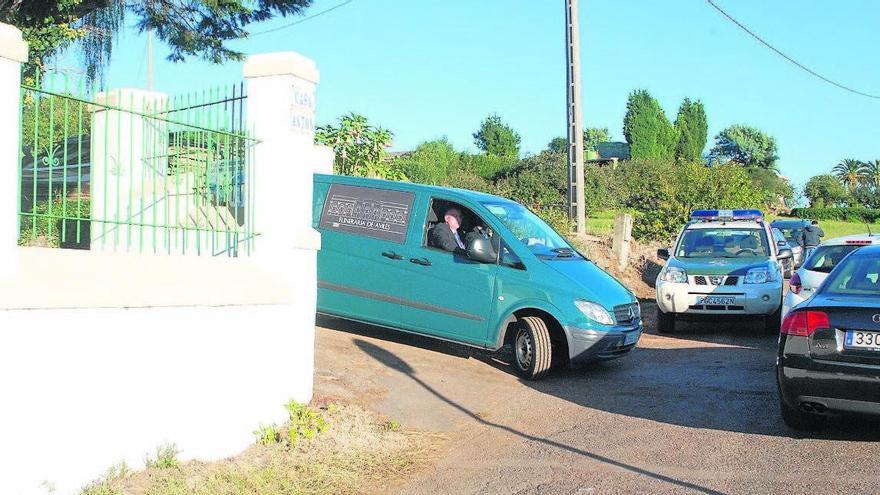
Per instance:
{"type": "Point", "coordinates": [691, 130]}
{"type": "Point", "coordinates": [646, 128]}
{"type": "Point", "coordinates": [359, 147]}
{"type": "Point", "coordinates": [191, 28]}
{"type": "Point", "coordinates": [824, 191]}
{"type": "Point", "coordinates": [497, 138]}
{"type": "Point", "coordinates": [746, 146]}
{"type": "Point", "coordinates": [851, 172]}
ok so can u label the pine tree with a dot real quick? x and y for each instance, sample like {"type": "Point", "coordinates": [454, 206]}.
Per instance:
{"type": "Point", "coordinates": [646, 128]}
{"type": "Point", "coordinates": [692, 131]}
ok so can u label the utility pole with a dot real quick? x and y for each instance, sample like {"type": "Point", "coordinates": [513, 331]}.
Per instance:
{"type": "Point", "coordinates": [150, 60]}
{"type": "Point", "coordinates": [575, 123]}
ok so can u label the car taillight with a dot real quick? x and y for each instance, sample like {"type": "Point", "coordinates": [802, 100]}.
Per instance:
{"type": "Point", "coordinates": [804, 323]}
{"type": "Point", "coordinates": [794, 283]}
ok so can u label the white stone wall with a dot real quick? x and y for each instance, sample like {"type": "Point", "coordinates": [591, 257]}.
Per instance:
{"type": "Point", "coordinates": [120, 352]}
{"type": "Point", "coordinates": [84, 389]}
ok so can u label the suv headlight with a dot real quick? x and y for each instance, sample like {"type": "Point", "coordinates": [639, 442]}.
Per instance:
{"type": "Point", "coordinates": [594, 312]}
{"type": "Point", "coordinates": [759, 276]}
{"type": "Point", "coordinates": [674, 274]}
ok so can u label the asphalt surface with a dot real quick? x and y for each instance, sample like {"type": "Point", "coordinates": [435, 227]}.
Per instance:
{"type": "Point", "coordinates": [696, 412]}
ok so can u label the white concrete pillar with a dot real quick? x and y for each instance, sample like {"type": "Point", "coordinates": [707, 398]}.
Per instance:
{"type": "Point", "coordinates": [128, 172]}
{"type": "Point", "coordinates": [13, 52]}
{"type": "Point", "coordinates": [281, 112]}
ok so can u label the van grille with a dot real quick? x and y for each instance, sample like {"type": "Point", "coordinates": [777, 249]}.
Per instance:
{"type": "Point", "coordinates": [627, 313]}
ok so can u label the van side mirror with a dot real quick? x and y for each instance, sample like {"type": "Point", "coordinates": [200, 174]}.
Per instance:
{"type": "Point", "coordinates": [663, 253]}
{"type": "Point", "coordinates": [785, 254]}
{"type": "Point", "coordinates": [480, 249]}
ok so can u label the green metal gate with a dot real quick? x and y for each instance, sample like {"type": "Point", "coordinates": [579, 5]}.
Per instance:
{"type": "Point", "coordinates": [136, 171]}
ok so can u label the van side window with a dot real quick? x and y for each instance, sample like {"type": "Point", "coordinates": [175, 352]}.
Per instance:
{"type": "Point", "coordinates": [371, 212]}
{"type": "Point", "coordinates": [450, 226]}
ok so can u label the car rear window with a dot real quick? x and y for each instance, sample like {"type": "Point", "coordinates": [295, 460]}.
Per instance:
{"type": "Point", "coordinates": [825, 258]}
{"type": "Point", "coordinates": [858, 276]}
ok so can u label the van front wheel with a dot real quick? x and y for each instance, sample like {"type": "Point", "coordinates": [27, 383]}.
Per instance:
{"type": "Point", "coordinates": [532, 350]}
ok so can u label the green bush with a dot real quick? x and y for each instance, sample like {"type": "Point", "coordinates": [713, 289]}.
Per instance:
{"type": "Point", "coordinates": [47, 229]}
{"type": "Point", "coordinates": [430, 163]}
{"type": "Point", "coordinates": [487, 166]}
{"type": "Point", "coordinates": [538, 181]}
{"type": "Point", "coordinates": [855, 215]}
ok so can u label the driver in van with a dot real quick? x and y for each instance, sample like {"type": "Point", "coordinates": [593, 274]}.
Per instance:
{"type": "Point", "coordinates": [445, 235]}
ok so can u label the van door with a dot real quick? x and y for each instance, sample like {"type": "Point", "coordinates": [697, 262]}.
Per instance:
{"type": "Point", "coordinates": [448, 295]}
{"type": "Point", "coordinates": [363, 254]}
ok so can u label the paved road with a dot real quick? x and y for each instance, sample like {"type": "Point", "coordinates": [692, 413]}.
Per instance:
{"type": "Point", "coordinates": [693, 413]}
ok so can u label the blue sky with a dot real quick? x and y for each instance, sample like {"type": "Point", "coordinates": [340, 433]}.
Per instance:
{"type": "Point", "coordinates": [430, 69]}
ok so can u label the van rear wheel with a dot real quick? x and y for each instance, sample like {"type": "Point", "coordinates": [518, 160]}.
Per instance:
{"type": "Point", "coordinates": [532, 350]}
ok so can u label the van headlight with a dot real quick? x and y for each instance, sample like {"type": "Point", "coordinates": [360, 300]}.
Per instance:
{"type": "Point", "coordinates": [674, 274]}
{"type": "Point", "coordinates": [759, 276]}
{"type": "Point", "coordinates": [594, 312]}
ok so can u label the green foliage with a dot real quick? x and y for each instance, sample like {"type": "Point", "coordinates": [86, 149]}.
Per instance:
{"type": "Point", "coordinates": [871, 175]}
{"type": "Point", "coordinates": [692, 130]}
{"type": "Point", "coordinates": [647, 129]}
{"type": "Point", "coordinates": [851, 172]}
{"type": "Point", "coordinates": [854, 215]}
{"type": "Point", "coordinates": [538, 181]}
{"type": "Point", "coordinates": [497, 138]}
{"type": "Point", "coordinates": [487, 167]}
{"type": "Point", "coordinates": [46, 227]}
{"type": "Point", "coordinates": [592, 137]}
{"type": "Point", "coordinates": [391, 425]}
{"type": "Point", "coordinates": [663, 194]}
{"type": "Point", "coordinates": [777, 191]}
{"type": "Point", "coordinates": [825, 190]}
{"type": "Point", "coordinates": [359, 148]}
{"type": "Point", "coordinates": [267, 434]}
{"type": "Point", "coordinates": [198, 28]}
{"type": "Point", "coordinates": [305, 422]}
{"type": "Point", "coordinates": [746, 146]}
{"type": "Point", "coordinates": [166, 457]}
{"type": "Point", "coordinates": [430, 163]}
{"type": "Point", "coordinates": [53, 118]}
{"type": "Point", "coordinates": [465, 179]}
{"type": "Point", "coordinates": [867, 197]}
{"type": "Point", "coordinates": [595, 135]}
{"type": "Point", "coordinates": [558, 145]}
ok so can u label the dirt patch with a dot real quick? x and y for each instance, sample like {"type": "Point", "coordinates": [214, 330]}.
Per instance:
{"type": "Point", "coordinates": [359, 452]}
{"type": "Point", "coordinates": [638, 275]}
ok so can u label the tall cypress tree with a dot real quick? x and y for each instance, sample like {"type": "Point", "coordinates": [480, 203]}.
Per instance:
{"type": "Point", "coordinates": [692, 131]}
{"type": "Point", "coordinates": [647, 130]}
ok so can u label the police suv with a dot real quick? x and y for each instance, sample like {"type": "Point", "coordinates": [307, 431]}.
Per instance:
{"type": "Point", "coordinates": [725, 263]}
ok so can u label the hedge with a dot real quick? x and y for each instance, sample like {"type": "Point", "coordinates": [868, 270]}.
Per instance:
{"type": "Point", "coordinates": [856, 215]}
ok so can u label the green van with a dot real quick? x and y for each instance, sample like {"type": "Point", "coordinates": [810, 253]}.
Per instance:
{"type": "Point", "coordinates": [467, 267]}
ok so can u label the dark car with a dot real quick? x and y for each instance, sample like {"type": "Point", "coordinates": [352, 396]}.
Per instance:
{"type": "Point", "coordinates": [793, 230]}
{"type": "Point", "coordinates": [829, 346]}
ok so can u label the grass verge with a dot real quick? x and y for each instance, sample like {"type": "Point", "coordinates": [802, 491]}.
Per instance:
{"type": "Point", "coordinates": [357, 452]}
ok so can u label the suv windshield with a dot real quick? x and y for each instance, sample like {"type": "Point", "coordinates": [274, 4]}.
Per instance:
{"type": "Point", "coordinates": [529, 229]}
{"type": "Point", "coordinates": [858, 276]}
{"type": "Point", "coordinates": [825, 258]}
{"type": "Point", "coordinates": [722, 243]}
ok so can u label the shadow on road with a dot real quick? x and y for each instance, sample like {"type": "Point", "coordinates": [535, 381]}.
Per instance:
{"type": "Point", "coordinates": [392, 361]}
{"type": "Point", "coordinates": [729, 385]}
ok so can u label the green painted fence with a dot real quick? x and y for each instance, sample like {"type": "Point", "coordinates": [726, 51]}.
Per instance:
{"type": "Point", "coordinates": [136, 171]}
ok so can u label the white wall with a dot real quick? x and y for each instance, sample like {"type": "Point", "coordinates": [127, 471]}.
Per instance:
{"type": "Point", "coordinates": [83, 389]}
{"type": "Point", "coordinates": [152, 348]}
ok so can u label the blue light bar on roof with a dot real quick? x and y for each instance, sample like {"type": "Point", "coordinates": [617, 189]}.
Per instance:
{"type": "Point", "coordinates": [715, 215]}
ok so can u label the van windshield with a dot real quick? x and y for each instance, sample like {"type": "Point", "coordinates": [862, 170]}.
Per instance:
{"type": "Point", "coordinates": [529, 229]}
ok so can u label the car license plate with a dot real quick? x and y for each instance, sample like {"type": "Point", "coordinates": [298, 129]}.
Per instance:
{"type": "Point", "coordinates": [630, 338]}
{"type": "Point", "coordinates": [716, 301]}
{"type": "Point", "coordinates": [856, 339]}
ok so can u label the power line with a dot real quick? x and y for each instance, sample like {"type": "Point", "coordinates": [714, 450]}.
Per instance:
{"type": "Point", "coordinates": [795, 62]}
{"type": "Point", "coordinates": [304, 19]}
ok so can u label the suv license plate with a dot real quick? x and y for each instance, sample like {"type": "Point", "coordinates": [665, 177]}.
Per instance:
{"type": "Point", "coordinates": [856, 339]}
{"type": "Point", "coordinates": [716, 301]}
